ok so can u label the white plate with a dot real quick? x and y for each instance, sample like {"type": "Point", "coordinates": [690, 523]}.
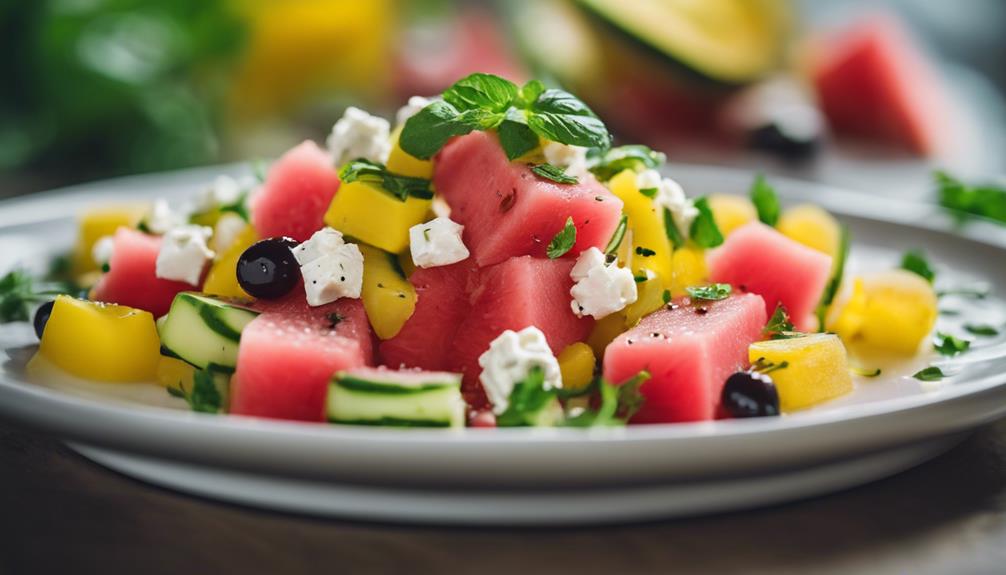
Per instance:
{"type": "Point", "coordinates": [531, 475]}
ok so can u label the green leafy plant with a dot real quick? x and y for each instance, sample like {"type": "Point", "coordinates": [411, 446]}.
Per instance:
{"type": "Point", "coordinates": [915, 261]}
{"type": "Point", "coordinates": [765, 201]}
{"type": "Point", "coordinates": [563, 241]}
{"type": "Point", "coordinates": [554, 173]}
{"type": "Point", "coordinates": [400, 187]}
{"type": "Point", "coordinates": [712, 292]}
{"type": "Point", "coordinates": [606, 164]}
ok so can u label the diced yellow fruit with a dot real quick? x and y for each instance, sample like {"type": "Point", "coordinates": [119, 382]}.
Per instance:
{"type": "Point", "coordinates": [405, 261]}
{"type": "Point", "coordinates": [576, 363]}
{"type": "Point", "coordinates": [650, 296]}
{"type": "Point", "coordinates": [813, 227]}
{"type": "Point", "coordinates": [103, 342]}
{"type": "Point", "coordinates": [175, 373]}
{"type": "Point", "coordinates": [645, 231]}
{"type": "Point", "coordinates": [689, 268]}
{"type": "Point", "coordinates": [222, 279]}
{"type": "Point", "coordinates": [387, 295]}
{"type": "Point", "coordinates": [96, 224]}
{"type": "Point", "coordinates": [817, 370]}
{"type": "Point", "coordinates": [605, 330]}
{"type": "Point", "coordinates": [372, 215]}
{"type": "Point", "coordinates": [404, 164]}
{"type": "Point", "coordinates": [731, 212]}
{"type": "Point", "coordinates": [893, 311]}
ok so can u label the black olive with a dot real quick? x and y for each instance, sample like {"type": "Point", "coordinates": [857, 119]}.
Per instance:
{"type": "Point", "coordinates": [267, 269]}
{"type": "Point", "coordinates": [42, 317]}
{"type": "Point", "coordinates": [750, 394]}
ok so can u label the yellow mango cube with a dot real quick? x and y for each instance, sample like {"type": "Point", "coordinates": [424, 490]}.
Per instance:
{"type": "Point", "coordinates": [103, 342]}
{"type": "Point", "coordinates": [387, 295]}
{"type": "Point", "coordinates": [404, 164]}
{"type": "Point", "coordinates": [605, 331]}
{"type": "Point", "coordinates": [94, 225]}
{"type": "Point", "coordinates": [817, 368]}
{"type": "Point", "coordinates": [813, 227]}
{"type": "Point", "coordinates": [645, 232]}
{"type": "Point", "coordinates": [368, 213]}
{"type": "Point", "coordinates": [731, 212]}
{"type": "Point", "coordinates": [222, 279]}
{"type": "Point", "coordinates": [689, 269]}
{"type": "Point", "coordinates": [175, 373]}
{"type": "Point", "coordinates": [576, 363]}
{"type": "Point", "coordinates": [892, 311]}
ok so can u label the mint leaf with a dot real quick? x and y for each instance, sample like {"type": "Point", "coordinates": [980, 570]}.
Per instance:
{"type": "Point", "coordinates": [988, 201]}
{"type": "Point", "coordinates": [915, 262]}
{"type": "Point", "coordinates": [527, 401]}
{"type": "Point", "coordinates": [649, 192]}
{"type": "Point", "coordinates": [766, 202]}
{"type": "Point", "coordinates": [931, 373]}
{"type": "Point", "coordinates": [713, 292]}
{"type": "Point", "coordinates": [831, 289]}
{"type": "Point", "coordinates": [947, 344]}
{"type": "Point", "coordinates": [616, 237]}
{"type": "Point", "coordinates": [529, 93]}
{"type": "Point", "coordinates": [606, 164]}
{"type": "Point", "coordinates": [400, 187]}
{"type": "Point", "coordinates": [779, 322]}
{"type": "Point", "coordinates": [704, 231]}
{"type": "Point", "coordinates": [563, 241]}
{"type": "Point", "coordinates": [559, 116]}
{"type": "Point", "coordinates": [481, 91]}
{"type": "Point", "coordinates": [516, 137]}
{"type": "Point", "coordinates": [672, 231]}
{"type": "Point", "coordinates": [666, 296]}
{"type": "Point", "coordinates": [983, 330]}
{"type": "Point", "coordinates": [554, 173]}
{"type": "Point", "coordinates": [426, 132]}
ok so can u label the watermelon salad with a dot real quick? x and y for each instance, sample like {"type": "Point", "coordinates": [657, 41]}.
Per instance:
{"type": "Point", "coordinates": [488, 259]}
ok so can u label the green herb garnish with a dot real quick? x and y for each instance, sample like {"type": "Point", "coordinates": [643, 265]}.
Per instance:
{"type": "Point", "coordinates": [672, 231]}
{"type": "Point", "coordinates": [528, 400]}
{"type": "Point", "coordinates": [765, 200]}
{"type": "Point", "coordinates": [666, 296]}
{"type": "Point", "coordinates": [645, 252]}
{"type": "Point", "coordinates": [616, 403]}
{"type": "Point", "coordinates": [761, 365]}
{"type": "Point", "coordinates": [712, 292]}
{"type": "Point", "coordinates": [947, 344]}
{"type": "Point", "coordinates": [838, 270]}
{"type": "Point", "coordinates": [554, 173]}
{"type": "Point", "coordinates": [983, 330]}
{"type": "Point", "coordinates": [704, 231]}
{"type": "Point", "coordinates": [641, 277]}
{"type": "Point", "coordinates": [563, 241]}
{"type": "Point", "coordinates": [20, 293]}
{"type": "Point", "coordinates": [606, 164]}
{"type": "Point", "coordinates": [931, 373]}
{"type": "Point", "coordinates": [616, 237]}
{"type": "Point", "coordinates": [987, 200]}
{"type": "Point", "coordinates": [915, 262]}
{"type": "Point", "coordinates": [648, 192]}
{"type": "Point", "coordinates": [399, 187]}
{"type": "Point", "coordinates": [779, 325]}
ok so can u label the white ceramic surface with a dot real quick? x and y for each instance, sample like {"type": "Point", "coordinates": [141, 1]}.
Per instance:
{"type": "Point", "coordinates": [496, 476]}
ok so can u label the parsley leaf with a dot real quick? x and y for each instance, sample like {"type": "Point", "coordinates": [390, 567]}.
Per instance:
{"type": "Point", "coordinates": [563, 241]}
{"type": "Point", "coordinates": [983, 330]}
{"type": "Point", "coordinates": [987, 201]}
{"type": "Point", "coordinates": [713, 292]}
{"type": "Point", "coordinates": [554, 173]}
{"type": "Point", "coordinates": [400, 187]}
{"type": "Point", "coordinates": [559, 116]}
{"type": "Point", "coordinates": [947, 344]}
{"type": "Point", "coordinates": [482, 92]}
{"type": "Point", "coordinates": [765, 200]}
{"type": "Point", "coordinates": [704, 231]}
{"type": "Point", "coordinates": [671, 229]}
{"type": "Point", "coordinates": [605, 164]}
{"type": "Point", "coordinates": [779, 322]}
{"type": "Point", "coordinates": [19, 292]}
{"type": "Point", "coordinates": [617, 235]}
{"type": "Point", "coordinates": [516, 137]}
{"type": "Point", "coordinates": [616, 404]}
{"type": "Point", "coordinates": [931, 373]}
{"type": "Point", "coordinates": [528, 400]}
{"type": "Point", "coordinates": [915, 262]}
{"type": "Point", "coordinates": [838, 270]}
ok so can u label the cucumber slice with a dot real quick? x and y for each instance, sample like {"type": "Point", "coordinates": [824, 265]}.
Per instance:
{"type": "Point", "coordinates": [204, 330]}
{"type": "Point", "coordinates": [369, 396]}
{"type": "Point", "coordinates": [209, 390]}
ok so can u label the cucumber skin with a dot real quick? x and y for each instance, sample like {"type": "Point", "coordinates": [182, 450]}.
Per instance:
{"type": "Point", "coordinates": [204, 315]}
{"type": "Point", "coordinates": [441, 406]}
{"type": "Point", "coordinates": [388, 388]}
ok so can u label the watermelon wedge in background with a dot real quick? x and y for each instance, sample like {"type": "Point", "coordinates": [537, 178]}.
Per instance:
{"type": "Point", "coordinates": [508, 211]}
{"type": "Point", "coordinates": [515, 294]}
{"type": "Point", "coordinates": [289, 353]}
{"type": "Point", "coordinates": [296, 194]}
{"type": "Point", "coordinates": [873, 81]}
{"type": "Point", "coordinates": [132, 275]}
{"type": "Point", "coordinates": [758, 259]}
{"type": "Point", "coordinates": [689, 351]}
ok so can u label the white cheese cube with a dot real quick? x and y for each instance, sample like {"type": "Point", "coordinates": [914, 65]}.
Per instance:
{"type": "Point", "coordinates": [323, 242]}
{"type": "Point", "coordinates": [601, 289]}
{"type": "Point", "coordinates": [671, 196]}
{"type": "Point", "coordinates": [359, 135]}
{"type": "Point", "coordinates": [101, 251]}
{"type": "Point", "coordinates": [228, 227]}
{"type": "Point", "coordinates": [331, 268]}
{"type": "Point", "coordinates": [437, 243]}
{"type": "Point", "coordinates": [184, 254]}
{"type": "Point", "coordinates": [162, 218]}
{"type": "Point", "coordinates": [509, 360]}
{"type": "Point", "coordinates": [572, 159]}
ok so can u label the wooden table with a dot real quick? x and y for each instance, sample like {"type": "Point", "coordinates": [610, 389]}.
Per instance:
{"type": "Point", "coordinates": [60, 513]}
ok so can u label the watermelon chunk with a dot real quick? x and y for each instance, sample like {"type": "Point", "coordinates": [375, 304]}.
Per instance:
{"type": "Point", "coordinates": [758, 259]}
{"type": "Point", "coordinates": [289, 353]}
{"type": "Point", "coordinates": [874, 82]}
{"type": "Point", "coordinates": [426, 338]}
{"type": "Point", "coordinates": [515, 294]}
{"type": "Point", "coordinates": [132, 276]}
{"type": "Point", "coordinates": [508, 211]}
{"type": "Point", "coordinates": [296, 194]}
{"type": "Point", "coordinates": [689, 349]}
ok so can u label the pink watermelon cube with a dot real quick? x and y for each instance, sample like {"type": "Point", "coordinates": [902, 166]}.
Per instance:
{"type": "Point", "coordinates": [132, 276]}
{"type": "Point", "coordinates": [508, 211]}
{"type": "Point", "coordinates": [296, 194]}
{"type": "Point", "coordinates": [689, 349]}
{"type": "Point", "coordinates": [515, 294]}
{"type": "Point", "coordinates": [426, 339]}
{"type": "Point", "coordinates": [289, 353]}
{"type": "Point", "coordinates": [758, 259]}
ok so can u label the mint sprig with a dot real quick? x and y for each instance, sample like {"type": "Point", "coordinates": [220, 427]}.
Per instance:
{"type": "Point", "coordinates": [915, 261]}
{"type": "Point", "coordinates": [554, 173]}
{"type": "Point", "coordinates": [704, 231]}
{"type": "Point", "coordinates": [713, 292]}
{"type": "Point", "coordinates": [606, 164]}
{"type": "Point", "coordinates": [401, 187]}
{"type": "Point", "coordinates": [563, 241]}
{"type": "Point", "coordinates": [765, 201]}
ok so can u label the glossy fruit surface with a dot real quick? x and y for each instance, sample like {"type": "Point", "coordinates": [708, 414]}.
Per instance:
{"type": "Point", "coordinates": [268, 269]}
{"type": "Point", "coordinates": [750, 394]}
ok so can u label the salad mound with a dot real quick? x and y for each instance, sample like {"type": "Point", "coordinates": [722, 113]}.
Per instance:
{"type": "Point", "coordinates": [490, 260]}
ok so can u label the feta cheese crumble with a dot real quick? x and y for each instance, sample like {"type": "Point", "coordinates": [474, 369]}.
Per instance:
{"type": "Point", "coordinates": [224, 191]}
{"type": "Point", "coordinates": [359, 135]}
{"type": "Point", "coordinates": [184, 254]}
{"type": "Point", "coordinates": [412, 108]}
{"type": "Point", "coordinates": [101, 251]}
{"type": "Point", "coordinates": [229, 227]}
{"type": "Point", "coordinates": [669, 195]}
{"type": "Point", "coordinates": [572, 159]}
{"type": "Point", "coordinates": [162, 218]}
{"type": "Point", "coordinates": [332, 269]}
{"type": "Point", "coordinates": [509, 360]}
{"type": "Point", "coordinates": [437, 243]}
{"type": "Point", "coordinates": [601, 288]}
